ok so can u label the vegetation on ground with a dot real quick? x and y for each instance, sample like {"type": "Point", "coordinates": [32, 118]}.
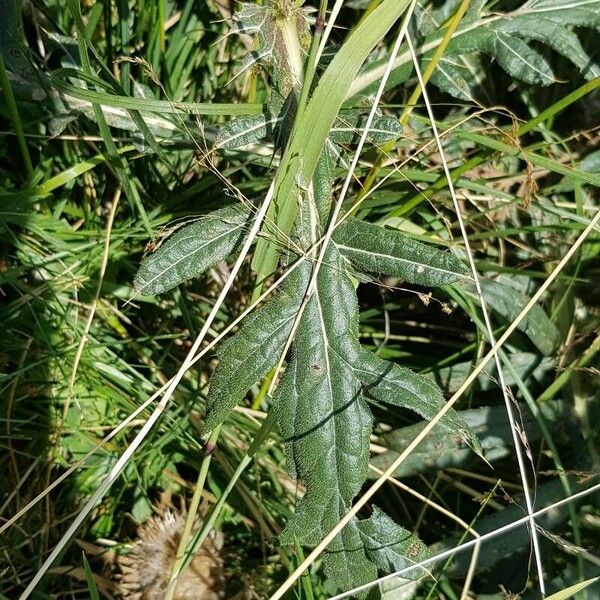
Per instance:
{"type": "Point", "coordinates": [300, 299]}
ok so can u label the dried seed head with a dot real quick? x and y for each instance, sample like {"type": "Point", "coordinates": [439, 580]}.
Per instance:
{"type": "Point", "coordinates": [147, 568]}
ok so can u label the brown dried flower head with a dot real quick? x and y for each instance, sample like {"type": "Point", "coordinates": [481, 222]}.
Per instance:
{"type": "Point", "coordinates": [147, 568]}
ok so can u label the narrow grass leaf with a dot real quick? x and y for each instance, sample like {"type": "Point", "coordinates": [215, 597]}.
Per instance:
{"type": "Point", "coordinates": [89, 577]}
{"type": "Point", "coordinates": [573, 589]}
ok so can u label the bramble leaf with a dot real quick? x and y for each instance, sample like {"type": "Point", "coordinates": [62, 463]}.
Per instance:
{"type": "Point", "coordinates": [192, 250]}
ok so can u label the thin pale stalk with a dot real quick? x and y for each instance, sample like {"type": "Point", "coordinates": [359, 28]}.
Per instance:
{"type": "Point", "coordinates": [93, 306]}
{"type": "Point", "coordinates": [467, 545]}
{"type": "Point", "coordinates": [518, 443]}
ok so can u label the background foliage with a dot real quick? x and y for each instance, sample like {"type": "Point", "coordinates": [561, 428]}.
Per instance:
{"type": "Point", "coordinates": [120, 107]}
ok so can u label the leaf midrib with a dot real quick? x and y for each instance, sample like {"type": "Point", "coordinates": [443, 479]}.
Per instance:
{"type": "Point", "coordinates": [405, 260]}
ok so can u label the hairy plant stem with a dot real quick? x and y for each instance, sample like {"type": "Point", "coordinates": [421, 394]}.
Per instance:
{"type": "Point", "coordinates": [304, 73]}
{"type": "Point", "coordinates": [184, 554]}
{"type": "Point", "coordinates": [311, 62]}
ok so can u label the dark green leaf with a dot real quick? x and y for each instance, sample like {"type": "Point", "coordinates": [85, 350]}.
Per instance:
{"type": "Point", "coordinates": [347, 129]}
{"type": "Point", "coordinates": [518, 59]}
{"type": "Point", "coordinates": [552, 34]}
{"type": "Point", "coordinates": [439, 450]}
{"type": "Point", "coordinates": [500, 36]}
{"type": "Point", "coordinates": [389, 546]}
{"type": "Point", "coordinates": [373, 249]}
{"type": "Point", "coordinates": [398, 386]}
{"type": "Point", "coordinates": [448, 77]}
{"type": "Point", "coordinates": [508, 302]}
{"type": "Point", "coordinates": [245, 130]}
{"type": "Point", "coordinates": [192, 250]}
{"type": "Point", "coordinates": [326, 424]}
{"type": "Point", "coordinates": [321, 413]}
{"type": "Point", "coordinates": [248, 355]}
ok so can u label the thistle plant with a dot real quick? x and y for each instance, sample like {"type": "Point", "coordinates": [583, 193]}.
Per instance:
{"type": "Point", "coordinates": [104, 99]}
{"type": "Point", "coordinates": [322, 399]}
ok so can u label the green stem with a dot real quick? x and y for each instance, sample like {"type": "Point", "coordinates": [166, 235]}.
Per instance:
{"type": "Point", "coordinates": [264, 388]}
{"type": "Point", "coordinates": [182, 555]}
{"type": "Point", "coordinates": [311, 62]}
{"type": "Point", "coordinates": [261, 436]}
{"type": "Point", "coordinates": [310, 68]}
{"type": "Point", "coordinates": [15, 118]}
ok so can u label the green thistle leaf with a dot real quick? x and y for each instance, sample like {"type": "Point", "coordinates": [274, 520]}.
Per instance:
{"type": "Point", "coordinates": [247, 356]}
{"type": "Point", "coordinates": [390, 546]}
{"type": "Point", "coordinates": [192, 250]}
{"type": "Point", "coordinates": [373, 249]}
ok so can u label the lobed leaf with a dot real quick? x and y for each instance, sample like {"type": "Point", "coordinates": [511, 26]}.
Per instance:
{"type": "Point", "coordinates": [373, 249]}
{"type": "Point", "coordinates": [398, 386]}
{"type": "Point", "coordinates": [322, 416]}
{"type": "Point", "coordinates": [248, 355]}
{"type": "Point", "coordinates": [389, 546]}
{"type": "Point", "coordinates": [192, 250]}
{"type": "Point", "coordinates": [508, 302]}
{"type": "Point", "coordinates": [325, 424]}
